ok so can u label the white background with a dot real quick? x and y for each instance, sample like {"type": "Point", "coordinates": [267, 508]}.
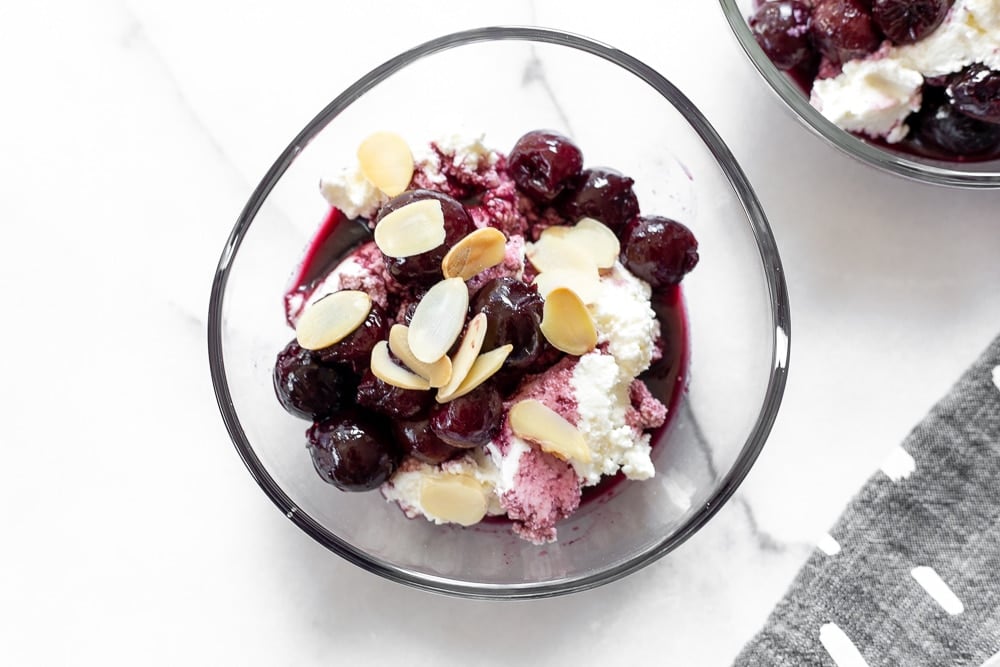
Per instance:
{"type": "Point", "coordinates": [133, 132]}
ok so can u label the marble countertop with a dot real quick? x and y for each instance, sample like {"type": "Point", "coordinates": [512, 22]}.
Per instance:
{"type": "Point", "coordinates": [133, 133]}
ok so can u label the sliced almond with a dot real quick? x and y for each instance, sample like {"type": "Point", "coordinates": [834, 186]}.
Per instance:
{"type": "Point", "coordinates": [586, 284]}
{"type": "Point", "coordinates": [453, 498]}
{"type": "Point", "coordinates": [386, 161]}
{"type": "Point", "coordinates": [566, 322]}
{"type": "Point", "coordinates": [438, 320]}
{"type": "Point", "coordinates": [533, 420]}
{"type": "Point", "coordinates": [332, 319]}
{"type": "Point", "coordinates": [465, 357]}
{"type": "Point", "coordinates": [485, 366]}
{"type": "Point", "coordinates": [597, 240]}
{"type": "Point", "coordinates": [389, 372]}
{"type": "Point", "coordinates": [437, 373]}
{"type": "Point", "coordinates": [411, 229]}
{"type": "Point", "coordinates": [556, 251]}
{"type": "Point", "coordinates": [475, 253]}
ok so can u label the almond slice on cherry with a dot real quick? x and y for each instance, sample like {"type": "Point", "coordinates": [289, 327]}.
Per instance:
{"type": "Point", "coordinates": [566, 322]}
{"type": "Point", "coordinates": [386, 160]}
{"type": "Point", "coordinates": [437, 373]}
{"type": "Point", "coordinates": [412, 229]}
{"type": "Point", "coordinates": [534, 421]}
{"type": "Point", "coordinates": [474, 253]}
{"type": "Point", "coordinates": [386, 370]}
{"type": "Point", "coordinates": [485, 366]}
{"type": "Point", "coordinates": [438, 320]}
{"type": "Point", "coordinates": [586, 284]}
{"type": "Point", "coordinates": [597, 240]}
{"type": "Point", "coordinates": [332, 318]}
{"type": "Point", "coordinates": [466, 355]}
{"type": "Point", "coordinates": [556, 251]}
{"type": "Point", "coordinates": [457, 499]}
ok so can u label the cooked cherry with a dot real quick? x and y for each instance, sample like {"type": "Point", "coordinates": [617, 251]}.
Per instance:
{"type": "Point", "coordinates": [976, 93]}
{"type": "Point", "coordinates": [659, 250]}
{"type": "Point", "coordinates": [601, 193]}
{"type": "Point", "coordinates": [471, 420]}
{"type": "Point", "coordinates": [843, 29]}
{"type": "Point", "coordinates": [421, 443]}
{"type": "Point", "coordinates": [353, 451]}
{"type": "Point", "coordinates": [940, 125]}
{"type": "Point", "coordinates": [513, 315]}
{"type": "Point", "coordinates": [909, 21]}
{"type": "Point", "coordinates": [782, 30]}
{"type": "Point", "coordinates": [306, 386]}
{"type": "Point", "coordinates": [356, 348]}
{"type": "Point", "coordinates": [391, 401]}
{"type": "Point", "coordinates": [542, 162]}
{"type": "Point", "coordinates": [425, 268]}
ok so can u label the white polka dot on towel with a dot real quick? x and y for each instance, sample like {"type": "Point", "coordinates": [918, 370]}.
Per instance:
{"type": "Point", "coordinates": [996, 377]}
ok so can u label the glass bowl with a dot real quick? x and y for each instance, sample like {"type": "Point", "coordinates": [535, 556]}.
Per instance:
{"type": "Point", "coordinates": [984, 174]}
{"type": "Point", "coordinates": [504, 81]}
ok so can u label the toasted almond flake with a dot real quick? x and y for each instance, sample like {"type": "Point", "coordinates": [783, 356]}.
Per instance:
{"type": "Point", "coordinates": [411, 229]}
{"type": "Point", "coordinates": [534, 421]}
{"type": "Point", "coordinates": [453, 498]}
{"type": "Point", "coordinates": [386, 161]}
{"type": "Point", "coordinates": [485, 367]}
{"type": "Point", "coordinates": [475, 253]}
{"type": "Point", "coordinates": [437, 373]}
{"type": "Point", "coordinates": [386, 370]}
{"type": "Point", "coordinates": [555, 251]}
{"type": "Point", "coordinates": [566, 322]}
{"type": "Point", "coordinates": [465, 357]}
{"type": "Point", "coordinates": [332, 319]}
{"type": "Point", "coordinates": [586, 284]}
{"type": "Point", "coordinates": [599, 242]}
{"type": "Point", "coordinates": [438, 320]}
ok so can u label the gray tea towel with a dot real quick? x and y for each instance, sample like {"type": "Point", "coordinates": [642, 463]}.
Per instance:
{"type": "Point", "coordinates": [910, 574]}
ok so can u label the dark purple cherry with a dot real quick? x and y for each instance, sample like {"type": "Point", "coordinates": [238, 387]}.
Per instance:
{"type": "Point", "coordinates": [843, 30]}
{"type": "Point", "coordinates": [306, 386]}
{"type": "Point", "coordinates": [353, 450]}
{"type": "Point", "coordinates": [391, 401]}
{"type": "Point", "coordinates": [513, 315]}
{"type": "Point", "coordinates": [781, 27]}
{"type": "Point", "coordinates": [939, 125]}
{"type": "Point", "coordinates": [421, 443]}
{"type": "Point", "coordinates": [976, 93]}
{"type": "Point", "coordinates": [909, 21]}
{"type": "Point", "coordinates": [542, 162]}
{"type": "Point", "coordinates": [356, 348]}
{"type": "Point", "coordinates": [425, 268]}
{"type": "Point", "coordinates": [659, 250]}
{"type": "Point", "coordinates": [471, 420]}
{"type": "Point", "coordinates": [601, 193]}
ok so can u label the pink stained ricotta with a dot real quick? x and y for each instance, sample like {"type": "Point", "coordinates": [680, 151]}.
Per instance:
{"type": "Point", "coordinates": [546, 490]}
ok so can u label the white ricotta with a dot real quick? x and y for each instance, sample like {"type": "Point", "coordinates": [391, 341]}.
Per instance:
{"type": "Point", "coordinates": [404, 487]}
{"type": "Point", "coordinates": [600, 382]}
{"type": "Point", "coordinates": [874, 95]}
{"type": "Point", "coordinates": [352, 193]}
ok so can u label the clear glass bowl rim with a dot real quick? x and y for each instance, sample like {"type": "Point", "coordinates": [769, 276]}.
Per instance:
{"type": "Point", "coordinates": [845, 141]}
{"type": "Point", "coordinates": [773, 274]}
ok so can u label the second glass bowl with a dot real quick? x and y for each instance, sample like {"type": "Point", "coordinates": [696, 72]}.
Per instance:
{"type": "Point", "coordinates": [959, 174]}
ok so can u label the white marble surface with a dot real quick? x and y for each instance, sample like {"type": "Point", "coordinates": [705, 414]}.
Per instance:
{"type": "Point", "coordinates": [133, 132]}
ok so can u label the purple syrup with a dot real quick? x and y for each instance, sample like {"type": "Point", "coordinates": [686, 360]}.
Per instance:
{"type": "Point", "coordinates": [325, 250]}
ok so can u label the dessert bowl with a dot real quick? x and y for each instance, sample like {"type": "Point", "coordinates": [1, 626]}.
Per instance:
{"type": "Point", "coordinates": [967, 174]}
{"type": "Point", "coordinates": [735, 307]}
